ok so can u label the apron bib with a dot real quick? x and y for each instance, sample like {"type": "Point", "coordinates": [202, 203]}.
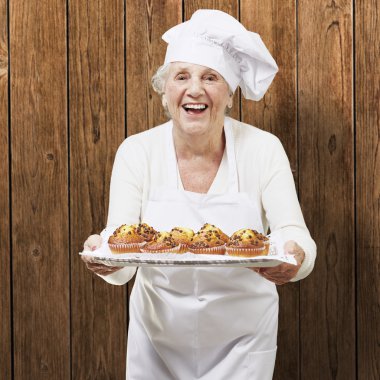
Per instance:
{"type": "Point", "coordinates": [202, 323]}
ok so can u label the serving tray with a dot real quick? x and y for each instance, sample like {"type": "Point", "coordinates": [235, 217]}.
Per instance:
{"type": "Point", "coordinates": [104, 255]}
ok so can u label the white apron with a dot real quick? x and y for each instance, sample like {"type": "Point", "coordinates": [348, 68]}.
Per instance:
{"type": "Point", "coordinates": [201, 323]}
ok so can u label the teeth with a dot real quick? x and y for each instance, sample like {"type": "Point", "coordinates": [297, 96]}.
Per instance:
{"type": "Point", "coordinates": [195, 106]}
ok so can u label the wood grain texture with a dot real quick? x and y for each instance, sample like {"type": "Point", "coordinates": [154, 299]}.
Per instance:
{"type": "Point", "coordinates": [5, 253]}
{"type": "Point", "coordinates": [39, 190]}
{"type": "Point", "coordinates": [275, 22]}
{"type": "Point", "coordinates": [326, 187]}
{"type": "Point", "coordinates": [367, 54]}
{"type": "Point", "coordinates": [73, 99]}
{"type": "Point", "coordinates": [146, 22]}
{"type": "Point", "coordinates": [230, 7]}
{"type": "Point", "coordinates": [97, 127]}
{"type": "Point", "coordinates": [276, 113]}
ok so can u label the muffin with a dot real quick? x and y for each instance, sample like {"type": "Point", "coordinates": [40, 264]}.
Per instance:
{"type": "Point", "coordinates": [206, 228]}
{"type": "Point", "coordinates": [265, 240]}
{"type": "Point", "coordinates": [246, 243]}
{"type": "Point", "coordinates": [126, 239]}
{"type": "Point", "coordinates": [208, 240]}
{"type": "Point", "coordinates": [145, 231]}
{"type": "Point", "coordinates": [182, 236]}
{"type": "Point", "coordinates": [162, 242]}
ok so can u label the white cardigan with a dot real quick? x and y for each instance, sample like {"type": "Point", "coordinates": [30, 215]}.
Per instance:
{"type": "Point", "coordinates": [263, 171]}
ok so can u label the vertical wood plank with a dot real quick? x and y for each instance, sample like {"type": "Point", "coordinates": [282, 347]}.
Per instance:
{"type": "Point", "coordinates": [96, 90]}
{"type": "Point", "coordinates": [5, 254]}
{"type": "Point", "coordinates": [230, 7]}
{"type": "Point", "coordinates": [276, 113]}
{"type": "Point", "coordinates": [275, 22]}
{"type": "Point", "coordinates": [146, 22]}
{"type": "Point", "coordinates": [326, 169]}
{"type": "Point", "coordinates": [367, 53]}
{"type": "Point", "coordinates": [39, 190]}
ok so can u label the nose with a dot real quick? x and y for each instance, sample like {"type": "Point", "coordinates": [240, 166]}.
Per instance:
{"type": "Point", "coordinates": [195, 88]}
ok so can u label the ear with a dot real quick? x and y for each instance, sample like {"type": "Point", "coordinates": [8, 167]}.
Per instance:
{"type": "Point", "coordinates": [231, 100]}
{"type": "Point", "coordinates": [164, 101]}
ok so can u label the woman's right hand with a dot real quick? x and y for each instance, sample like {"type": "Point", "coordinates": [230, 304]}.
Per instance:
{"type": "Point", "coordinates": [91, 244]}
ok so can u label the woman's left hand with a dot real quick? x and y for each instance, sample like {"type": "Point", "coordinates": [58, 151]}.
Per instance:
{"type": "Point", "coordinates": [283, 273]}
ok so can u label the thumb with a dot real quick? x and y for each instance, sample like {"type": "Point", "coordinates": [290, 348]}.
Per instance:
{"type": "Point", "coordinates": [93, 242]}
{"type": "Point", "coordinates": [292, 248]}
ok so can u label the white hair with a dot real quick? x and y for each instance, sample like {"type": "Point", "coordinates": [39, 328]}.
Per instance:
{"type": "Point", "coordinates": [159, 80]}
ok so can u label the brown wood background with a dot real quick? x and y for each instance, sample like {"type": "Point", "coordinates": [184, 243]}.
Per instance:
{"type": "Point", "coordinates": [75, 81]}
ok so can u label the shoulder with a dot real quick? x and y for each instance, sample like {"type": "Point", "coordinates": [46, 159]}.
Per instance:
{"type": "Point", "coordinates": [144, 142]}
{"type": "Point", "coordinates": [250, 137]}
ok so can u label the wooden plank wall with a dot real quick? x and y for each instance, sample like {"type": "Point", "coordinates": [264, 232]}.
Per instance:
{"type": "Point", "coordinates": [326, 166]}
{"type": "Point", "coordinates": [39, 189]}
{"type": "Point", "coordinates": [5, 252]}
{"type": "Point", "coordinates": [96, 126]}
{"type": "Point", "coordinates": [367, 165]}
{"type": "Point", "coordinates": [75, 81]}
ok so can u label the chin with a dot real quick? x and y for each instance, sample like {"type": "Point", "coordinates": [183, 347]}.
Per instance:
{"type": "Point", "coordinates": [195, 128]}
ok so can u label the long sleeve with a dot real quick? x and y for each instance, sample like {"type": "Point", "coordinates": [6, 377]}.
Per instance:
{"type": "Point", "coordinates": [281, 204]}
{"type": "Point", "coordinates": [125, 197]}
{"type": "Point", "coordinates": [126, 187]}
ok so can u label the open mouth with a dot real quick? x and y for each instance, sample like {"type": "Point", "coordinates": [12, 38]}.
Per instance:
{"type": "Point", "coordinates": [195, 109]}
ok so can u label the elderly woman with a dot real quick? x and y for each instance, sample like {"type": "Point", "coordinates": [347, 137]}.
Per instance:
{"type": "Point", "coordinates": [201, 166]}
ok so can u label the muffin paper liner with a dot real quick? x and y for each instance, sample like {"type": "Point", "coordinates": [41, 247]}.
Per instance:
{"type": "Point", "coordinates": [177, 249]}
{"type": "Point", "coordinates": [126, 248]}
{"type": "Point", "coordinates": [266, 248]}
{"type": "Point", "coordinates": [220, 250]}
{"type": "Point", "coordinates": [247, 252]}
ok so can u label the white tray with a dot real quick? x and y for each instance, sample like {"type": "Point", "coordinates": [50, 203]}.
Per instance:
{"type": "Point", "coordinates": [189, 260]}
{"type": "Point", "coordinates": [104, 255]}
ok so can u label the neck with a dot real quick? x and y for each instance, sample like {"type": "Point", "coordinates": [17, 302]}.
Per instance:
{"type": "Point", "coordinates": [210, 145]}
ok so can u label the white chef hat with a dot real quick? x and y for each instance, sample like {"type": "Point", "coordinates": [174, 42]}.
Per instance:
{"type": "Point", "coordinates": [217, 40]}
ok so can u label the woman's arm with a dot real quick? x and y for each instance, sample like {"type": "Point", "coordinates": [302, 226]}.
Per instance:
{"type": "Point", "coordinates": [125, 198]}
{"type": "Point", "coordinates": [283, 211]}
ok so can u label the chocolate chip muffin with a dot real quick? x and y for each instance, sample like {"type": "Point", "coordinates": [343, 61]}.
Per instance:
{"type": "Point", "coordinates": [208, 240]}
{"type": "Point", "coordinates": [126, 239]}
{"type": "Point", "coordinates": [246, 243]}
{"type": "Point", "coordinates": [162, 242]}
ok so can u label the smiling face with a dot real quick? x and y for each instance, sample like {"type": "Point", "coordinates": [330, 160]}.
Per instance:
{"type": "Point", "coordinates": [196, 97]}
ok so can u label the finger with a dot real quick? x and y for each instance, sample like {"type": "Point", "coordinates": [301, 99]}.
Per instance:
{"type": "Point", "coordinates": [101, 266]}
{"type": "Point", "coordinates": [280, 274]}
{"type": "Point", "coordinates": [102, 269]}
{"type": "Point", "coordinates": [292, 248]}
{"type": "Point", "coordinates": [273, 270]}
{"type": "Point", "coordinates": [257, 270]}
{"type": "Point", "coordinates": [282, 268]}
{"type": "Point", "coordinates": [86, 259]}
{"type": "Point", "coordinates": [278, 277]}
{"type": "Point", "coordinates": [93, 242]}
{"type": "Point", "coordinates": [277, 281]}
{"type": "Point", "coordinates": [290, 245]}
{"type": "Point", "coordinates": [93, 264]}
{"type": "Point", "coordinates": [87, 247]}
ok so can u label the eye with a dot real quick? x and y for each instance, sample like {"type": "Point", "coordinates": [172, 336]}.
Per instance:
{"type": "Point", "coordinates": [210, 77]}
{"type": "Point", "coordinates": [181, 77]}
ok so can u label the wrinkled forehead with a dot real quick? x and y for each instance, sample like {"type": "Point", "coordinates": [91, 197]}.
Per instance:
{"type": "Point", "coordinates": [191, 68]}
{"type": "Point", "coordinates": [194, 69]}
